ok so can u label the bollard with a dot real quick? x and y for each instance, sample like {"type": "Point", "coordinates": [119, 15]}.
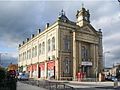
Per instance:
{"type": "Point", "coordinates": [115, 83]}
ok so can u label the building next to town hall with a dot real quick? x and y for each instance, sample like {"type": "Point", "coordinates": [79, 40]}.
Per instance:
{"type": "Point", "coordinates": [63, 49]}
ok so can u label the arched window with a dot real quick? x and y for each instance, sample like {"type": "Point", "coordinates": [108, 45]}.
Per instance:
{"type": "Point", "coordinates": [30, 53]}
{"type": "Point", "coordinates": [83, 53]}
{"type": "Point", "coordinates": [39, 50]}
{"type": "Point", "coordinates": [23, 55]}
{"type": "Point", "coordinates": [35, 51]}
{"type": "Point", "coordinates": [27, 54]}
{"type": "Point", "coordinates": [66, 65]}
{"type": "Point", "coordinates": [48, 45]}
{"type": "Point", "coordinates": [53, 43]}
{"type": "Point", "coordinates": [43, 47]}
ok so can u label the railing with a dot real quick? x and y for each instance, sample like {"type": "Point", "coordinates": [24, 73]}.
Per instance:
{"type": "Point", "coordinates": [8, 85]}
{"type": "Point", "coordinates": [50, 85]}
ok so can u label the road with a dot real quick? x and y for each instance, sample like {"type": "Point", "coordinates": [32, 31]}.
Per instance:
{"type": "Point", "coordinates": [87, 86]}
{"type": "Point", "coordinates": [22, 86]}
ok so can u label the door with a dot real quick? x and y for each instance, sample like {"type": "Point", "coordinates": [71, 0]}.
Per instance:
{"type": "Point", "coordinates": [39, 72]}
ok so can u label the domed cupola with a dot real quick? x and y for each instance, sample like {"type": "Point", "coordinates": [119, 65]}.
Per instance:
{"type": "Point", "coordinates": [83, 17]}
{"type": "Point", "coordinates": [62, 16]}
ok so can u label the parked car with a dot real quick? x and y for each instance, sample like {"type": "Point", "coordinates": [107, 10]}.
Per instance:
{"type": "Point", "coordinates": [111, 78]}
{"type": "Point", "coordinates": [23, 76]}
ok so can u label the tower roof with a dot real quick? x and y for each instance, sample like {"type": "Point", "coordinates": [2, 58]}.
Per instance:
{"type": "Point", "coordinates": [62, 16]}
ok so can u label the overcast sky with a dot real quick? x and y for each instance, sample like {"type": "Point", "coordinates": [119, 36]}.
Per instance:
{"type": "Point", "coordinates": [20, 19]}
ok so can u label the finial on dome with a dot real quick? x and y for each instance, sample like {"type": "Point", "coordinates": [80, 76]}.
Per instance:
{"type": "Point", "coordinates": [62, 13]}
{"type": "Point", "coordinates": [82, 5]}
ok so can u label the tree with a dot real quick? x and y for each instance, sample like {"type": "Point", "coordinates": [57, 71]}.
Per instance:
{"type": "Point", "coordinates": [2, 74]}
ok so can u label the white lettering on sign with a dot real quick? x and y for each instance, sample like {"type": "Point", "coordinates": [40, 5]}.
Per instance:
{"type": "Point", "coordinates": [86, 63]}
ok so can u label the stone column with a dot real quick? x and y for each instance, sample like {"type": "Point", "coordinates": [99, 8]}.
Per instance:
{"type": "Point", "coordinates": [74, 57]}
{"type": "Point", "coordinates": [45, 70]}
{"type": "Point", "coordinates": [37, 69]}
{"type": "Point", "coordinates": [92, 54]}
{"type": "Point", "coordinates": [57, 69]}
{"type": "Point", "coordinates": [79, 55]}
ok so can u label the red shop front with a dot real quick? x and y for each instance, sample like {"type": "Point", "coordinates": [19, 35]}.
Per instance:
{"type": "Point", "coordinates": [34, 67]}
{"type": "Point", "coordinates": [41, 70]}
{"type": "Point", "coordinates": [51, 68]}
{"type": "Point", "coordinates": [29, 68]}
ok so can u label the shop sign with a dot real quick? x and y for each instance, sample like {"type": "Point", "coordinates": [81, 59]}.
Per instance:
{"type": "Point", "coordinates": [86, 63]}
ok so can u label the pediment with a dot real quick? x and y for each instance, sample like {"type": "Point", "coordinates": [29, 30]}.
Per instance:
{"type": "Point", "coordinates": [89, 29]}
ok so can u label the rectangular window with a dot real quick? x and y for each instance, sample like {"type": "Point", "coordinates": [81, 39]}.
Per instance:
{"type": "Point", "coordinates": [48, 45]}
{"type": "Point", "coordinates": [67, 43]}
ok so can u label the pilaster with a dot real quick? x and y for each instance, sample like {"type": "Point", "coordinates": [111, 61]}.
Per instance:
{"type": "Point", "coordinates": [74, 57]}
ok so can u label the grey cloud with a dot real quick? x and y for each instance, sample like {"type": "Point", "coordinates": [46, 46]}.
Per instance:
{"type": "Point", "coordinates": [19, 19]}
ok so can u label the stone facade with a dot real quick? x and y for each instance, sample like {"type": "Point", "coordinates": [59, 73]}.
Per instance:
{"type": "Point", "coordinates": [63, 49]}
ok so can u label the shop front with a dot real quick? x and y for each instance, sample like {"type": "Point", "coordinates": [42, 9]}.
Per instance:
{"type": "Point", "coordinates": [34, 70]}
{"type": "Point", "coordinates": [41, 70]}
{"type": "Point", "coordinates": [51, 69]}
{"type": "Point", "coordinates": [29, 69]}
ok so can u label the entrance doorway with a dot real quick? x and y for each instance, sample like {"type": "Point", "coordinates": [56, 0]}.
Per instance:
{"type": "Point", "coordinates": [54, 72]}
{"type": "Point", "coordinates": [39, 72]}
{"type": "Point", "coordinates": [85, 69]}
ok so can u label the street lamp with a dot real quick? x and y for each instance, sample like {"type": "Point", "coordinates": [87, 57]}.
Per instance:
{"type": "Point", "coordinates": [1, 57]}
{"type": "Point", "coordinates": [104, 56]}
{"type": "Point", "coordinates": [119, 1]}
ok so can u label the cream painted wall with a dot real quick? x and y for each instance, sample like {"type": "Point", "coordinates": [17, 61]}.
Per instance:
{"type": "Point", "coordinates": [42, 37]}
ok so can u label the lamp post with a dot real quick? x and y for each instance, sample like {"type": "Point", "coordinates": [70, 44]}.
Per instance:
{"type": "Point", "coordinates": [1, 57]}
{"type": "Point", "coordinates": [104, 57]}
{"type": "Point", "coordinates": [119, 1]}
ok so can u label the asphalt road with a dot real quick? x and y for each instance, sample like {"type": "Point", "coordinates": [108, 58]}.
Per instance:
{"type": "Point", "coordinates": [22, 86]}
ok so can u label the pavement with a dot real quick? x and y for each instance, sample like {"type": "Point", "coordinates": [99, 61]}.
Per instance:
{"type": "Point", "coordinates": [83, 85]}
{"type": "Point", "coordinates": [22, 86]}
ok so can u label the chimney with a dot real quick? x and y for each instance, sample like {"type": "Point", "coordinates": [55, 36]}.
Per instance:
{"type": "Point", "coordinates": [47, 25]}
{"type": "Point", "coordinates": [27, 39]}
{"type": "Point", "coordinates": [23, 42]}
{"type": "Point", "coordinates": [19, 45]}
{"type": "Point", "coordinates": [39, 30]}
{"type": "Point", "coordinates": [32, 36]}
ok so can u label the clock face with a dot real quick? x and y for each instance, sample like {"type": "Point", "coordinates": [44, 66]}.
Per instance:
{"type": "Point", "coordinates": [80, 18]}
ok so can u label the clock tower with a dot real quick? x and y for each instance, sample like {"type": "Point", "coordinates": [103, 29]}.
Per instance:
{"type": "Point", "coordinates": [83, 17]}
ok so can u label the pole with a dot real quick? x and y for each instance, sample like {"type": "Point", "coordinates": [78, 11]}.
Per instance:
{"type": "Point", "coordinates": [104, 57]}
{"type": "Point", "coordinates": [0, 58]}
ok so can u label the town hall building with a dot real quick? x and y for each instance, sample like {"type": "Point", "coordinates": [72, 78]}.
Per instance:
{"type": "Point", "coordinates": [63, 49]}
